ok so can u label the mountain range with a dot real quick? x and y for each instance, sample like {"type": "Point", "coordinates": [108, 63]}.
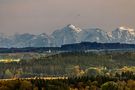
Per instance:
{"type": "Point", "coordinates": [68, 35]}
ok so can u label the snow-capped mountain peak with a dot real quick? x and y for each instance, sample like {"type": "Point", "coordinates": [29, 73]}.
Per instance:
{"type": "Point", "coordinates": [130, 30]}
{"type": "Point", "coordinates": [123, 35]}
{"type": "Point", "coordinates": [76, 29]}
{"type": "Point", "coordinates": [125, 28]}
{"type": "Point", "coordinates": [43, 35]}
{"type": "Point", "coordinates": [109, 34]}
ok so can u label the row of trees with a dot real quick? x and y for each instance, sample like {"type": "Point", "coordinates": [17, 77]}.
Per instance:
{"type": "Point", "coordinates": [74, 83]}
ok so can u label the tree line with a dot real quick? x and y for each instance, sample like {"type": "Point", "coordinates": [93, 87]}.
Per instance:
{"type": "Point", "coordinates": [75, 83]}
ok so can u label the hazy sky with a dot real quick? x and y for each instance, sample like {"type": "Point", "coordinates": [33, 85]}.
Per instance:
{"type": "Point", "coordinates": [37, 16]}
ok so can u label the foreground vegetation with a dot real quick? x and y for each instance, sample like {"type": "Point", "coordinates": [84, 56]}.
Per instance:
{"type": "Point", "coordinates": [70, 64]}
{"type": "Point", "coordinates": [85, 71]}
{"type": "Point", "coordinates": [121, 82]}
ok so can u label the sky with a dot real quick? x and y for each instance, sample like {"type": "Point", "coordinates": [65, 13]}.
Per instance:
{"type": "Point", "coordinates": [46, 16]}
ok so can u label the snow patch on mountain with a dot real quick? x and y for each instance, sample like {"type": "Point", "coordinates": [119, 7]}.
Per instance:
{"type": "Point", "coordinates": [76, 29]}
{"type": "Point", "coordinates": [130, 30]}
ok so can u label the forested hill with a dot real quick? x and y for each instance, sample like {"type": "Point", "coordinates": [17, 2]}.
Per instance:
{"type": "Point", "coordinates": [95, 46]}
{"type": "Point", "coordinates": [83, 46]}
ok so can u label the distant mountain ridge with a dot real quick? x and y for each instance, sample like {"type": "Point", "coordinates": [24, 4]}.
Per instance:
{"type": "Point", "coordinates": [70, 34]}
